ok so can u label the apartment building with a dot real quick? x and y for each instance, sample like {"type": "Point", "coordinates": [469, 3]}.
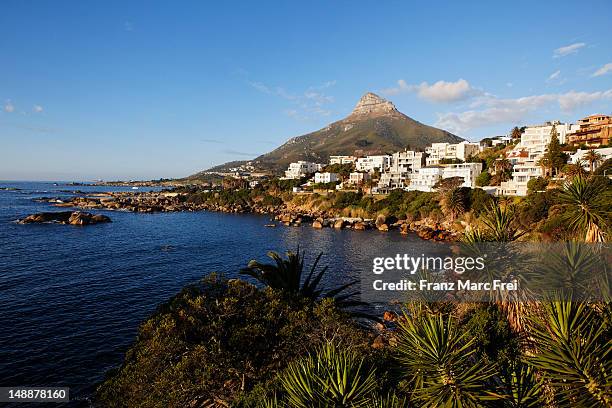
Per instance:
{"type": "Point", "coordinates": [358, 178]}
{"type": "Point", "coordinates": [301, 169]}
{"type": "Point", "coordinates": [605, 153]}
{"type": "Point", "coordinates": [449, 151]}
{"type": "Point", "coordinates": [401, 166]}
{"type": "Point", "coordinates": [370, 163]}
{"type": "Point", "coordinates": [424, 179]}
{"type": "Point", "coordinates": [593, 131]}
{"type": "Point", "coordinates": [525, 156]}
{"type": "Point", "coordinates": [326, 177]}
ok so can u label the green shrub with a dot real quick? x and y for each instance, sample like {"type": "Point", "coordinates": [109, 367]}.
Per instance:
{"type": "Point", "coordinates": [537, 184]}
{"type": "Point", "coordinates": [483, 179]}
{"type": "Point", "coordinates": [221, 340]}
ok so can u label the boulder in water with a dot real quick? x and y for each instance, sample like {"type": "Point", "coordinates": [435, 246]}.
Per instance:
{"type": "Point", "coordinates": [65, 217]}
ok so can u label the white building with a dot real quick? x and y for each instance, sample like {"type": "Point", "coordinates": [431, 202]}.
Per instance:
{"type": "Point", "coordinates": [468, 171]}
{"type": "Point", "coordinates": [357, 178]}
{"type": "Point", "coordinates": [401, 166]}
{"type": "Point", "coordinates": [342, 159]}
{"type": "Point", "coordinates": [535, 139]}
{"type": "Point", "coordinates": [606, 153]}
{"type": "Point", "coordinates": [424, 179]}
{"type": "Point", "coordinates": [369, 163]}
{"type": "Point", "coordinates": [301, 169]}
{"type": "Point", "coordinates": [448, 151]}
{"type": "Point", "coordinates": [526, 155]}
{"type": "Point", "coordinates": [326, 177]}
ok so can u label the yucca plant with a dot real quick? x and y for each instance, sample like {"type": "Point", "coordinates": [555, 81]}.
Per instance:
{"type": "Point", "coordinates": [585, 208]}
{"type": "Point", "coordinates": [286, 274]}
{"type": "Point", "coordinates": [332, 377]}
{"type": "Point", "coordinates": [388, 401]}
{"type": "Point", "coordinates": [573, 353]}
{"type": "Point", "coordinates": [500, 224]}
{"type": "Point", "coordinates": [520, 387]}
{"type": "Point", "coordinates": [440, 361]}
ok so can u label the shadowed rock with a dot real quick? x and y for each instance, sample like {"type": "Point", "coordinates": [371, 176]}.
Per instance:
{"type": "Point", "coordinates": [65, 217]}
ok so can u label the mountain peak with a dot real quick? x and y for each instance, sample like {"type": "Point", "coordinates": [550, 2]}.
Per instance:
{"type": "Point", "coordinates": [370, 103]}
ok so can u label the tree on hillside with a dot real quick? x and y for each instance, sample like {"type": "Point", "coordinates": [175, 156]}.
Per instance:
{"type": "Point", "coordinates": [544, 163]}
{"type": "Point", "coordinates": [593, 158]}
{"type": "Point", "coordinates": [448, 184]}
{"type": "Point", "coordinates": [555, 155]}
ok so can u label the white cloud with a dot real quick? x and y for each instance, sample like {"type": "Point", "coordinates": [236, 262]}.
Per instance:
{"type": "Point", "coordinates": [554, 76]}
{"type": "Point", "coordinates": [37, 109]}
{"type": "Point", "coordinates": [489, 110]}
{"type": "Point", "coordinates": [311, 102]}
{"type": "Point", "coordinates": [9, 107]}
{"type": "Point", "coordinates": [441, 91]}
{"type": "Point", "coordinates": [568, 49]}
{"type": "Point", "coordinates": [603, 70]}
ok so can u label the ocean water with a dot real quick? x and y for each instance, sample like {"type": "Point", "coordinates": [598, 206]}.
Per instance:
{"type": "Point", "coordinates": [72, 298]}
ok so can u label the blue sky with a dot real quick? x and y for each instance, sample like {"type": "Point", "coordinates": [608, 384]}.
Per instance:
{"type": "Point", "coordinates": [164, 89]}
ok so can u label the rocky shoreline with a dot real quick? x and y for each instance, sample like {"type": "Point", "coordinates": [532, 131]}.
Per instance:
{"type": "Point", "coordinates": [153, 202]}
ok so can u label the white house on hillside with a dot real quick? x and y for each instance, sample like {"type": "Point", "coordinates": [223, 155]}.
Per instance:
{"type": "Point", "coordinates": [369, 163]}
{"type": "Point", "coordinates": [326, 177]}
{"type": "Point", "coordinates": [301, 169]}
{"type": "Point", "coordinates": [461, 151]}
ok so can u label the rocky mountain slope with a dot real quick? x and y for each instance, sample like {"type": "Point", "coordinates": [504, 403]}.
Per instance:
{"type": "Point", "coordinates": [375, 126]}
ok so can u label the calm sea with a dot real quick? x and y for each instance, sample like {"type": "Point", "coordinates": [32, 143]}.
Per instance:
{"type": "Point", "coordinates": [72, 298]}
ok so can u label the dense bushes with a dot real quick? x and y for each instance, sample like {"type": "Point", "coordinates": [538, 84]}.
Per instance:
{"type": "Point", "coordinates": [222, 341]}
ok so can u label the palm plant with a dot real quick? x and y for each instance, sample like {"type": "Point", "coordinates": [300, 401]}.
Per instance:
{"type": "Point", "coordinates": [503, 167]}
{"type": "Point", "coordinates": [586, 211]}
{"type": "Point", "coordinates": [456, 202]}
{"type": "Point", "coordinates": [573, 353]}
{"type": "Point", "coordinates": [592, 157]}
{"type": "Point", "coordinates": [575, 169]}
{"type": "Point", "coordinates": [286, 275]}
{"type": "Point", "coordinates": [331, 377]}
{"type": "Point", "coordinates": [441, 364]}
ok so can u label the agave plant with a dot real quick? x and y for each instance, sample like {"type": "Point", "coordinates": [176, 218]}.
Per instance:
{"type": "Point", "coordinates": [331, 377]}
{"type": "Point", "coordinates": [440, 361]}
{"type": "Point", "coordinates": [286, 275]}
{"type": "Point", "coordinates": [573, 353]}
{"type": "Point", "coordinates": [586, 211]}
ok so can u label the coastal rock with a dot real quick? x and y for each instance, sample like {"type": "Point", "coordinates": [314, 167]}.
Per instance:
{"type": "Point", "coordinates": [380, 220]}
{"type": "Point", "coordinates": [339, 224]}
{"type": "Point", "coordinates": [65, 217]}
{"type": "Point", "coordinates": [317, 224]}
{"type": "Point", "coordinates": [383, 227]}
{"type": "Point", "coordinates": [404, 229]}
{"type": "Point", "coordinates": [389, 316]}
{"type": "Point", "coordinates": [359, 226]}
